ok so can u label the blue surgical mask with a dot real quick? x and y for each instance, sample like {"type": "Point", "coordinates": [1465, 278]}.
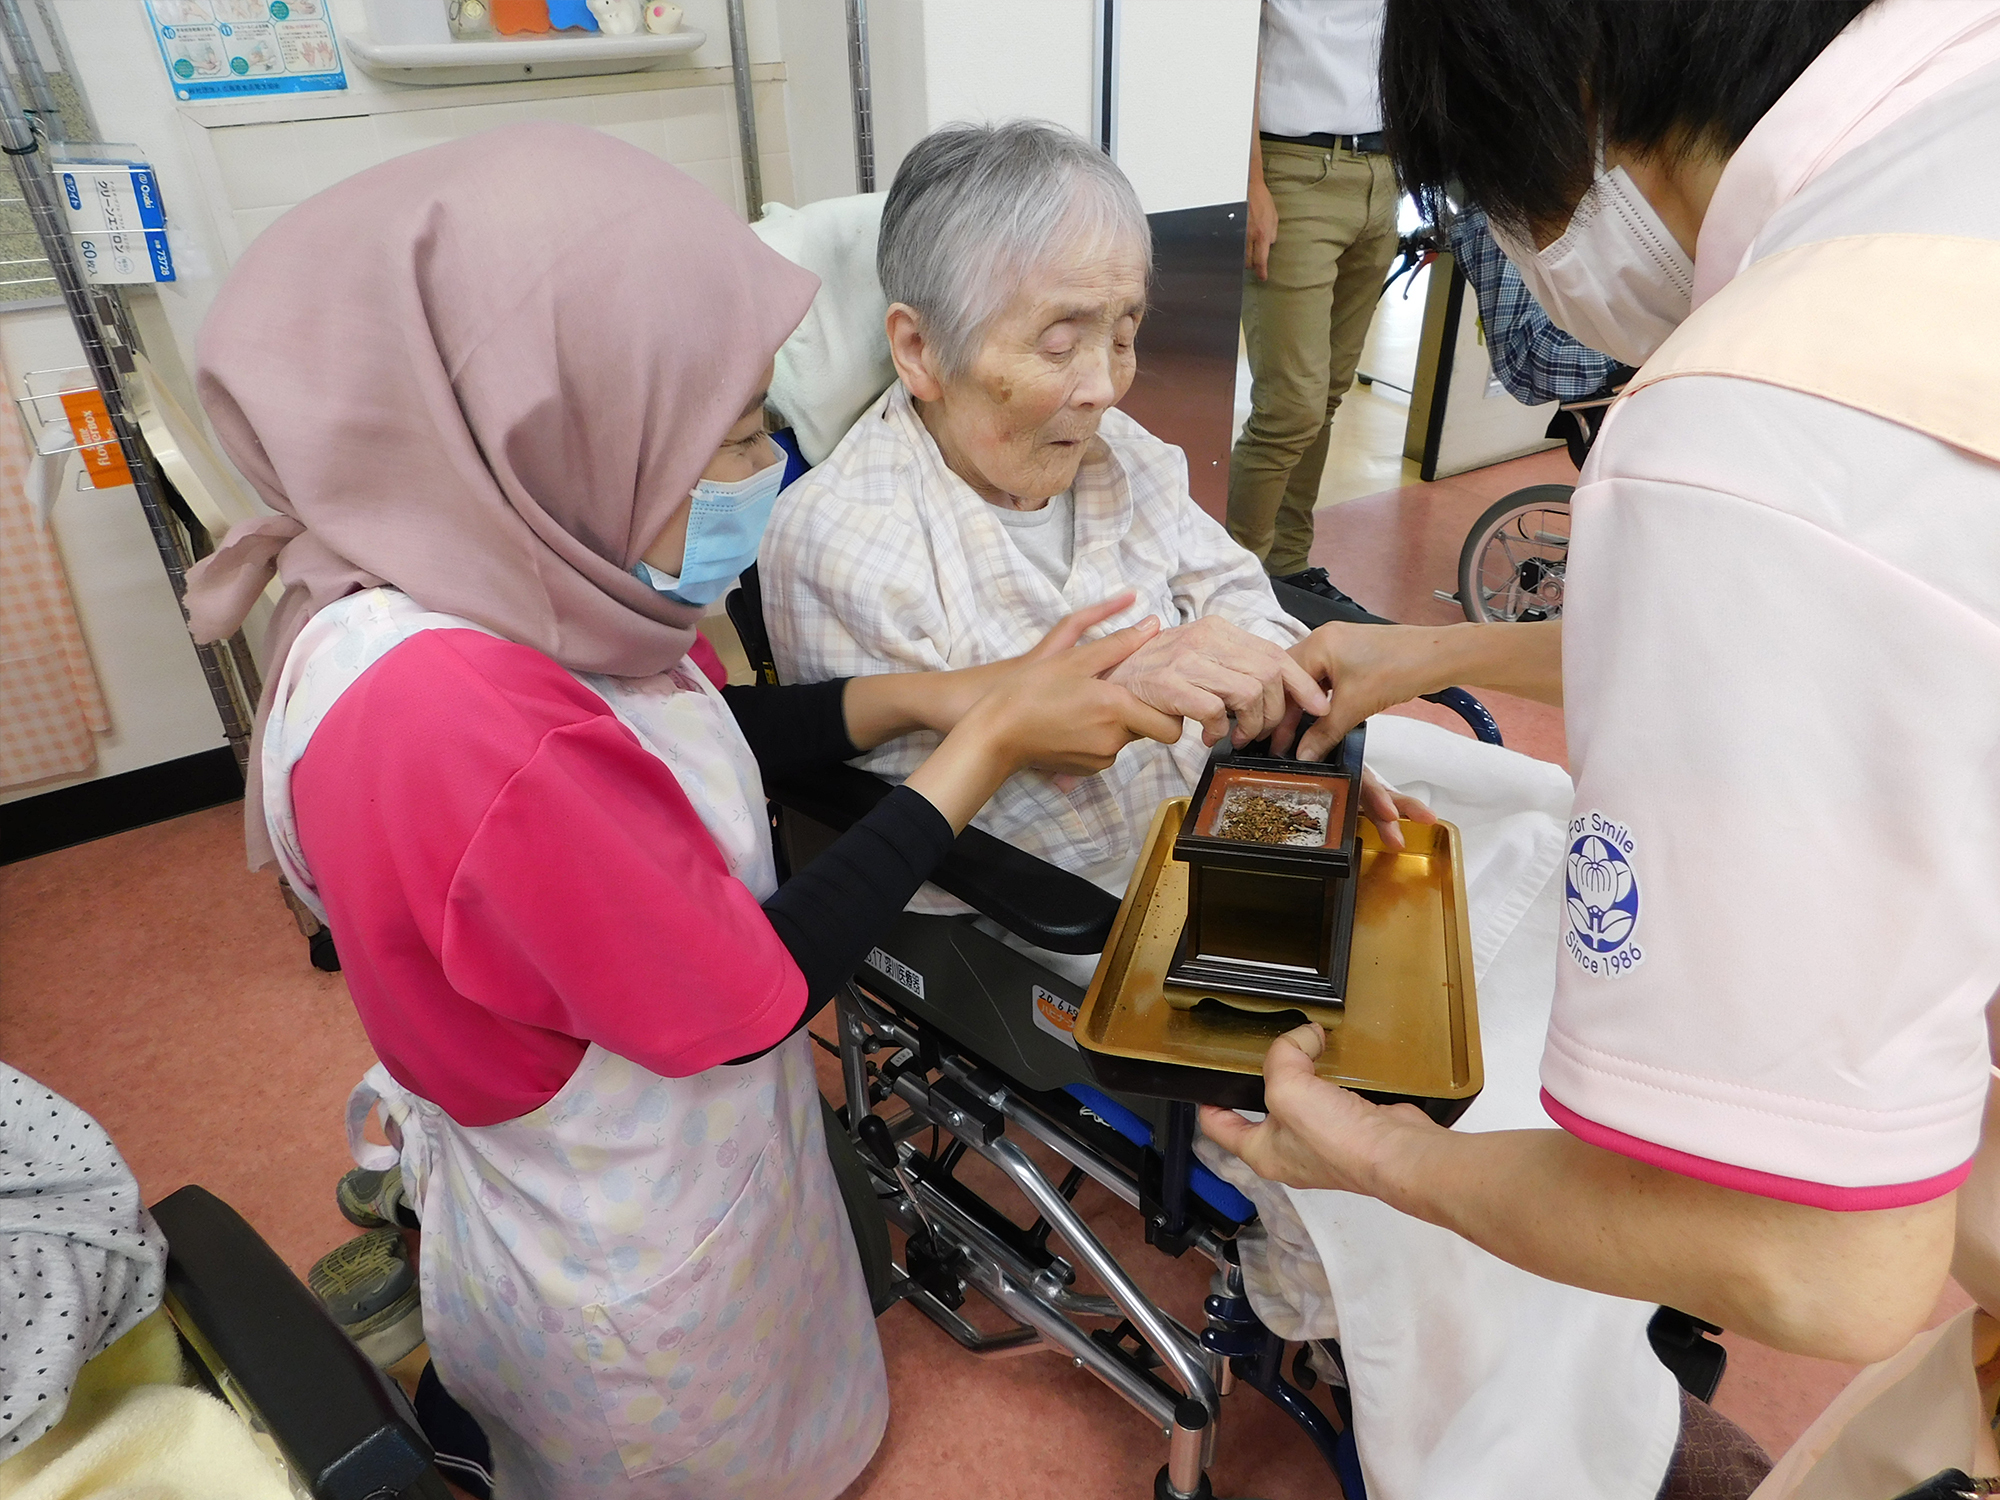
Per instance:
{"type": "Point", "coordinates": [725, 524]}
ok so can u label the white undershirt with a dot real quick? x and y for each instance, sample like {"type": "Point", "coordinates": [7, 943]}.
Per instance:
{"type": "Point", "coordinates": [1046, 537]}
{"type": "Point", "coordinates": [1319, 72]}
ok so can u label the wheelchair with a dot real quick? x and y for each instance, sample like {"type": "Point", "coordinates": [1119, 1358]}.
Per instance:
{"type": "Point", "coordinates": [1513, 563]}
{"type": "Point", "coordinates": [952, 1044]}
{"type": "Point", "coordinates": [254, 1337]}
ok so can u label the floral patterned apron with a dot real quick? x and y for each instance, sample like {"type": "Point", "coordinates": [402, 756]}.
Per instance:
{"type": "Point", "coordinates": [647, 1286]}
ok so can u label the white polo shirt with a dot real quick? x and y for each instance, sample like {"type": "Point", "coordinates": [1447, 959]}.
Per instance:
{"type": "Point", "coordinates": [1782, 678]}
{"type": "Point", "coordinates": [1321, 59]}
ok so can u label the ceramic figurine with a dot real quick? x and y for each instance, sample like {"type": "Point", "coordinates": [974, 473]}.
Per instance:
{"type": "Point", "coordinates": [616, 17]}
{"type": "Point", "coordinates": [571, 15]}
{"type": "Point", "coordinates": [471, 18]}
{"type": "Point", "coordinates": [662, 17]}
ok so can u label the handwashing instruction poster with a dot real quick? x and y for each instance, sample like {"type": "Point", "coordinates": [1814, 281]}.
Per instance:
{"type": "Point", "coordinates": [231, 49]}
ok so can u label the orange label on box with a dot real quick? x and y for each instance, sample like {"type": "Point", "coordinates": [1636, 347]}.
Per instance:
{"type": "Point", "coordinates": [103, 459]}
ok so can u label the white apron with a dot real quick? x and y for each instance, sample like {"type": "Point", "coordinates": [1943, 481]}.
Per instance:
{"type": "Point", "coordinates": [647, 1286]}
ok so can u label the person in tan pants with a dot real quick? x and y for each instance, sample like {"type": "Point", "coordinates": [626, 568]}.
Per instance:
{"type": "Point", "coordinates": [1322, 234]}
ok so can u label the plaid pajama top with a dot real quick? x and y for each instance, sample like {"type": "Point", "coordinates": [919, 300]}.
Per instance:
{"type": "Point", "coordinates": [883, 560]}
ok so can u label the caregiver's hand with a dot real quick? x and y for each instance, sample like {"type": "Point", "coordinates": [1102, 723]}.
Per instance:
{"type": "Point", "coordinates": [892, 704]}
{"type": "Point", "coordinates": [1056, 713]}
{"type": "Point", "coordinates": [1365, 668]}
{"type": "Point", "coordinates": [1316, 1134]}
{"type": "Point", "coordinates": [1368, 668]}
{"type": "Point", "coordinates": [949, 695]}
{"type": "Point", "coordinates": [1211, 671]}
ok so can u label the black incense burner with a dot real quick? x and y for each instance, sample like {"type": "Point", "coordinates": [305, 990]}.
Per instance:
{"type": "Point", "coordinates": [1272, 856]}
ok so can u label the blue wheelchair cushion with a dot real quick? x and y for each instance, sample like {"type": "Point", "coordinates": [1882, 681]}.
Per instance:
{"type": "Point", "coordinates": [1204, 1184]}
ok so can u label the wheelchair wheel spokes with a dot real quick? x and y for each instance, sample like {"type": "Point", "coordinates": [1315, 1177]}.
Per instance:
{"type": "Point", "coordinates": [1514, 559]}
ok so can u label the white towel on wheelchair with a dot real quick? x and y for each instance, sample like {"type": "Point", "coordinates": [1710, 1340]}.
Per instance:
{"type": "Point", "coordinates": [837, 362]}
{"type": "Point", "coordinates": [1471, 1378]}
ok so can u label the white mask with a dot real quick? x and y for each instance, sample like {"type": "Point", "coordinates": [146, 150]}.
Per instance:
{"type": "Point", "coordinates": [1617, 280]}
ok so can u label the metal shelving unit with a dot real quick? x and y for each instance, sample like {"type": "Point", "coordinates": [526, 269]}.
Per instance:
{"type": "Point", "coordinates": [30, 123]}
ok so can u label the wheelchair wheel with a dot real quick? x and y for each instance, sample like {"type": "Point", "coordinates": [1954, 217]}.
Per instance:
{"type": "Point", "coordinates": [1511, 567]}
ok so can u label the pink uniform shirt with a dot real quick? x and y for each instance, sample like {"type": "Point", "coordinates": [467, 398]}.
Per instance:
{"type": "Point", "coordinates": [512, 876]}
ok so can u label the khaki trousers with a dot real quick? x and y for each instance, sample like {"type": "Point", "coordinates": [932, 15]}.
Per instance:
{"type": "Point", "coordinates": [1304, 328]}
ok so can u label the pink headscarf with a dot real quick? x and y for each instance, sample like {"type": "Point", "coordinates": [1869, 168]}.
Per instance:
{"type": "Point", "coordinates": [486, 374]}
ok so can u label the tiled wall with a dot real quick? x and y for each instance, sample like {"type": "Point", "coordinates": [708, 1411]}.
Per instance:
{"type": "Point", "coordinates": [260, 170]}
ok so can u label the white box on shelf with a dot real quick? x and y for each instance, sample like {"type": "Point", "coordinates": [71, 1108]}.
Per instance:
{"type": "Point", "coordinates": [117, 223]}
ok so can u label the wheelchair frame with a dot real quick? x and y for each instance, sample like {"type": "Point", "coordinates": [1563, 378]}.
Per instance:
{"type": "Point", "coordinates": [895, 1046]}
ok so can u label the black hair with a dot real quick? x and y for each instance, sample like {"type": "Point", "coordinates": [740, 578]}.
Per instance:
{"type": "Point", "coordinates": [1492, 99]}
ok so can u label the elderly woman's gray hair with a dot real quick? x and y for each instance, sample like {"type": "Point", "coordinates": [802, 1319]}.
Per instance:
{"type": "Point", "coordinates": [975, 208]}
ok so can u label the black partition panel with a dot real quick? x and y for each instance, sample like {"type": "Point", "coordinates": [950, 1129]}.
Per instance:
{"type": "Point", "coordinates": [1185, 392]}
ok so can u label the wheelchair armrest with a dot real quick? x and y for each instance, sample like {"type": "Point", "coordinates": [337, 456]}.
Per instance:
{"type": "Point", "coordinates": [327, 1406]}
{"type": "Point", "coordinates": [1314, 610]}
{"type": "Point", "coordinates": [1031, 898]}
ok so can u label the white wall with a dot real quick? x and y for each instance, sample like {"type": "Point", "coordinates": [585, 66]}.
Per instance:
{"type": "Point", "coordinates": [818, 102]}
{"type": "Point", "coordinates": [936, 61]}
{"type": "Point", "coordinates": [1187, 93]}
{"type": "Point", "coordinates": [1186, 87]}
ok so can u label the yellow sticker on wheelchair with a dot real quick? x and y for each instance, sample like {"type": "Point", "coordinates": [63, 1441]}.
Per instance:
{"type": "Point", "coordinates": [1055, 1015]}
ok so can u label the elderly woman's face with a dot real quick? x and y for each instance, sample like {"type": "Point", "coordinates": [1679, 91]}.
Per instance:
{"type": "Point", "coordinates": [1014, 426]}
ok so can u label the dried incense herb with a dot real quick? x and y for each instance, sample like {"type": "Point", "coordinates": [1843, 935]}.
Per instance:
{"type": "Point", "coordinates": [1255, 819]}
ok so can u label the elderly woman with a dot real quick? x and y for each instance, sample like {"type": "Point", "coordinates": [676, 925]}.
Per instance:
{"type": "Point", "coordinates": [995, 483]}
{"type": "Point", "coordinates": [983, 497]}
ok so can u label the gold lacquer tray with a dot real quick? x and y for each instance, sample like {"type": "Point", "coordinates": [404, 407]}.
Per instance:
{"type": "Point", "coordinates": [1409, 1030]}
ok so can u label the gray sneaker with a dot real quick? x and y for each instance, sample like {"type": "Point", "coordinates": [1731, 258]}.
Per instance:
{"type": "Point", "coordinates": [369, 1200]}
{"type": "Point", "coordinates": [370, 1288]}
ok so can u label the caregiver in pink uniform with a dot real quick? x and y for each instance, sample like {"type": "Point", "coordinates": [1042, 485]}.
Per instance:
{"type": "Point", "coordinates": [506, 396]}
{"type": "Point", "coordinates": [1780, 665]}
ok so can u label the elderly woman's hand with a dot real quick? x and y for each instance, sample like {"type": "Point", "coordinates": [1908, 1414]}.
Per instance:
{"type": "Point", "coordinates": [1211, 670]}
{"type": "Point", "coordinates": [1386, 808]}
{"type": "Point", "coordinates": [1317, 1134]}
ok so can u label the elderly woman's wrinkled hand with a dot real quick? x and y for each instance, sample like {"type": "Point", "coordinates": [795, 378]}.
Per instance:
{"type": "Point", "coordinates": [1212, 671]}
{"type": "Point", "coordinates": [1317, 1134]}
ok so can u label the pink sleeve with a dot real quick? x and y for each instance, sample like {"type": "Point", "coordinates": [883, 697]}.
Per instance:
{"type": "Point", "coordinates": [592, 901]}
{"type": "Point", "coordinates": [702, 654]}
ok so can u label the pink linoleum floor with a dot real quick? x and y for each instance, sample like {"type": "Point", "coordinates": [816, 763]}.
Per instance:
{"type": "Point", "coordinates": [153, 980]}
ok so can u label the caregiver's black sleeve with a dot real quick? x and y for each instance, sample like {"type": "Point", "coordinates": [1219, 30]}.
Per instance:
{"type": "Point", "coordinates": [831, 913]}
{"type": "Point", "coordinates": [793, 728]}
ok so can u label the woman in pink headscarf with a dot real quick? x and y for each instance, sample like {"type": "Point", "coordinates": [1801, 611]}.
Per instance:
{"type": "Point", "coordinates": [506, 398]}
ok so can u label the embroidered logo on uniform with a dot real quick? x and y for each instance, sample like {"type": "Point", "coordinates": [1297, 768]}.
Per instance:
{"type": "Point", "coordinates": [1601, 897]}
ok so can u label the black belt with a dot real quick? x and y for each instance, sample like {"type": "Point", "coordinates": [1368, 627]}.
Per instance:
{"type": "Point", "coordinates": [1369, 144]}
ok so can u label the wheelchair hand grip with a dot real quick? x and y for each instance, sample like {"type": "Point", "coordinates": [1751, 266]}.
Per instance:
{"type": "Point", "coordinates": [1031, 898]}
